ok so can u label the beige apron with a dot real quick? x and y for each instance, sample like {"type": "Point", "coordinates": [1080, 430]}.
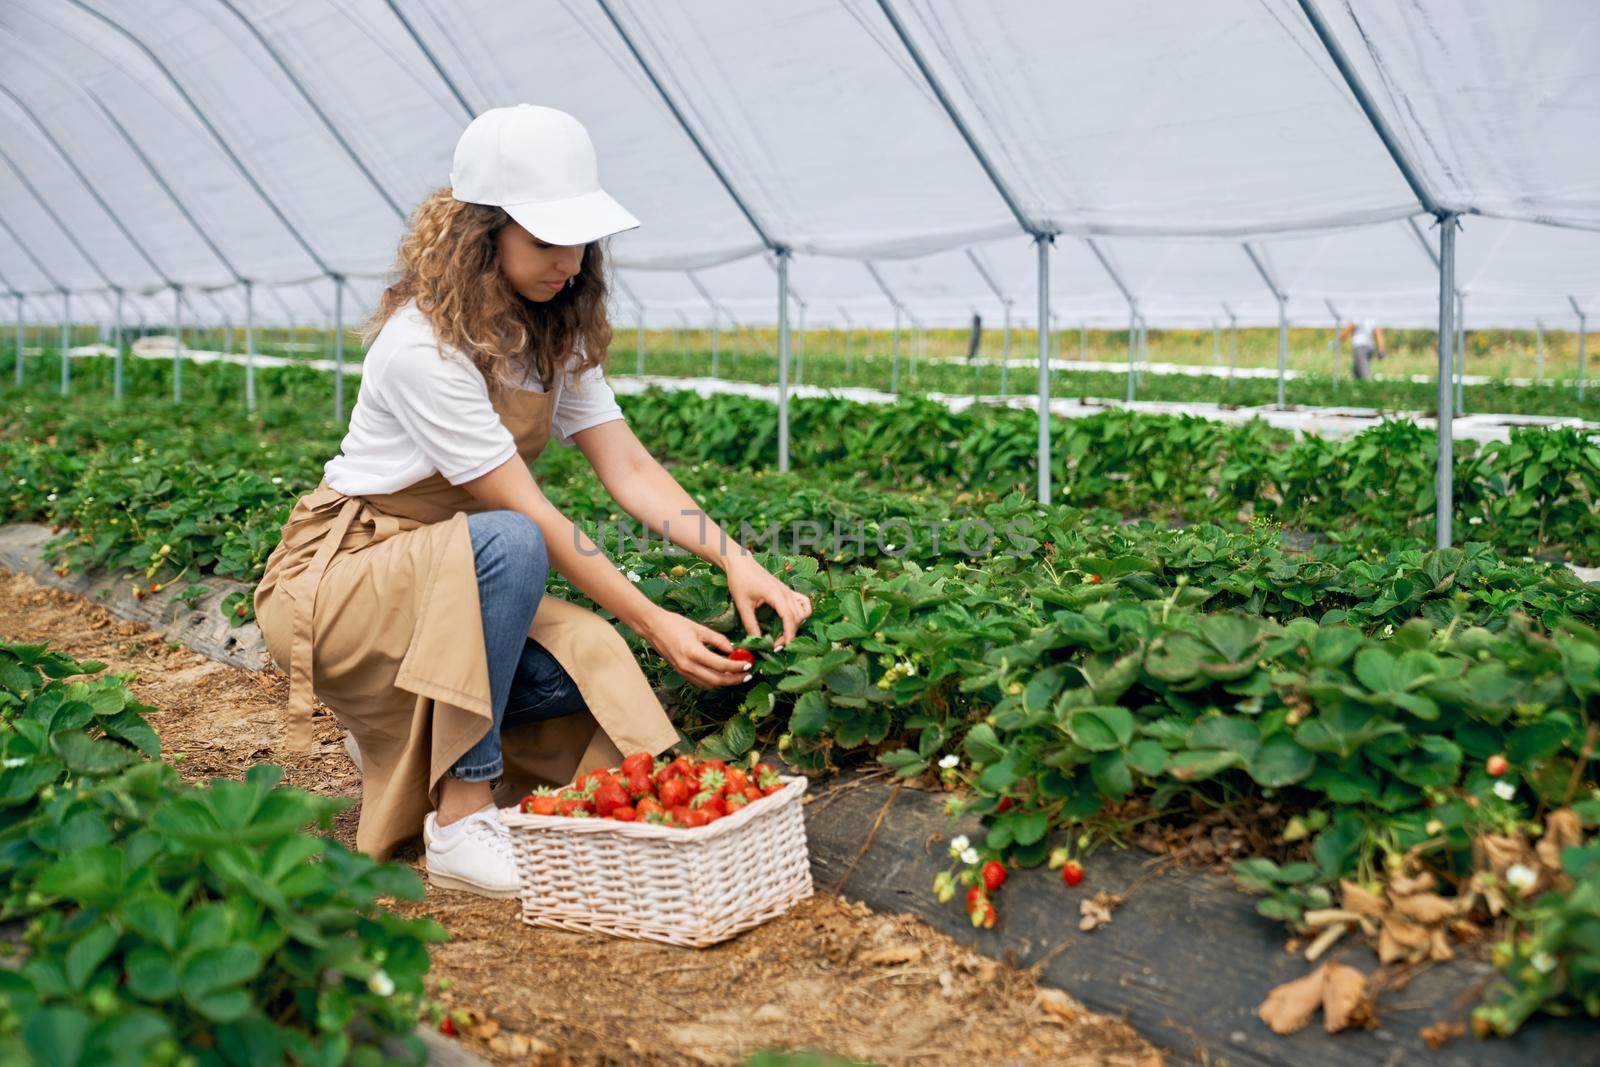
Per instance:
{"type": "Point", "coordinates": [372, 602]}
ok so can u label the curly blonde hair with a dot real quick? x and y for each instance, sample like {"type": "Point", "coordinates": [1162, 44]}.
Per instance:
{"type": "Point", "coordinates": [449, 264]}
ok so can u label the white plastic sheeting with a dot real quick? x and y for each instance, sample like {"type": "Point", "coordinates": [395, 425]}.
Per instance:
{"type": "Point", "coordinates": [205, 141]}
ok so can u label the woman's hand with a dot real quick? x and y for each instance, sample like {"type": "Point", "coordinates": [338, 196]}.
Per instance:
{"type": "Point", "coordinates": [750, 585]}
{"type": "Point", "coordinates": [682, 642]}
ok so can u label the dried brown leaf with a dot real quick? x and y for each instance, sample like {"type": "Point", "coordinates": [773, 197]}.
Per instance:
{"type": "Point", "coordinates": [1344, 998]}
{"type": "Point", "coordinates": [1406, 885]}
{"type": "Point", "coordinates": [1561, 829]}
{"type": "Point", "coordinates": [1057, 1005]}
{"type": "Point", "coordinates": [892, 955]}
{"type": "Point", "coordinates": [1097, 911]}
{"type": "Point", "coordinates": [1426, 908]}
{"type": "Point", "coordinates": [1289, 1007]}
{"type": "Point", "coordinates": [1496, 852]}
{"type": "Point", "coordinates": [1359, 900]}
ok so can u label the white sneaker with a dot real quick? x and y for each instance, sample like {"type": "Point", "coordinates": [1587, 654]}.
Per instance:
{"type": "Point", "coordinates": [473, 854]}
{"type": "Point", "coordinates": [353, 752]}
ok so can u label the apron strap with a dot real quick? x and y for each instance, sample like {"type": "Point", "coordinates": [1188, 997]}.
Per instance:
{"type": "Point", "coordinates": [301, 694]}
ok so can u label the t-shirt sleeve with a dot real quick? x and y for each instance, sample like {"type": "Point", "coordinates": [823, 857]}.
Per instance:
{"type": "Point", "coordinates": [584, 402]}
{"type": "Point", "coordinates": [443, 405]}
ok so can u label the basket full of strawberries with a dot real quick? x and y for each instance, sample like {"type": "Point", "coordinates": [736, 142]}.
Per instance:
{"type": "Point", "coordinates": [681, 850]}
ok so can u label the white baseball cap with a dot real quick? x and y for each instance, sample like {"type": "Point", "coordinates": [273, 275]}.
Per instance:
{"type": "Point", "coordinates": [538, 164]}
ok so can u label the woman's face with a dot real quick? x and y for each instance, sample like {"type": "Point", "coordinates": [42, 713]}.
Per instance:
{"type": "Point", "coordinates": [536, 270]}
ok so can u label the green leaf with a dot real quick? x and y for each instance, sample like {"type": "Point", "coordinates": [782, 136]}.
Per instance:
{"type": "Point", "coordinates": [57, 1036]}
{"type": "Point", "coordinates": [153, 916]}
{"type": "Point", "coordinates": [1101, 729]}
{"type": "Point", "coordinates": [87, 953]}
{"type": "Point", "coordinates": [982, 745]}
{"type": "Point", "coordinates": [1111, 774]}
{"type": "Point", "coordinates": [1194, 765]}
{"type": "Point", "coordinates": [1229, 732]}
{"type": "Point", "coordinates": [1029, 827]}
{"type": "Point", "coordinates": [810, 714]}
{"type": "Point", "coordinates": [208, 976]}
{"type": "Point", "coordinates": [1280, 762]}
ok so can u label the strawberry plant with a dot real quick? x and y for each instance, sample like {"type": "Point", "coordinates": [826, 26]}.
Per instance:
{"type": "Point", "coordinates": [165, 923]}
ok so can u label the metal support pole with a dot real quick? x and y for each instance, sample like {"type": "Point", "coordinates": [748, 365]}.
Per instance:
{"type": "Point", "coordinates": [1283, 346]}
{"type": "Point", "coordinates": [116, 363]}
{"type": "Point", "coordinates": [716, 341]}
{"type": "Point", "coordinates": [1216, 345]}
{"type": "Point", "coordinates": [1538, 359]}
{"type": "Point", "coordinates": [1005, 350]}
{"type": "Point", "coordinates": [1233, 342]}
{"type": "Point", "coordinates": [1144, 349]}
{"type": "Point", "coordinates": [1133, 345]}
{"type": "Point", "coordinates": [66, 342]}
{"type": "Point", "coordinates": [1044, 243]}
{"type": "Point", "coordinates": [894, 361]}
{"type": "Point", "coordinates": [338, 348]}
{"type": "Point", "coordinates": [1444, 507]}
{"type": "Point", "coordinates": [1583, 345]}
{"type": "Point", "coordinates": [249, 348]}
{"type": "Point", "coordinates": [1083, 342]}
{"type": "Point", "coordinates": [177, 344]}
{"type": "Point", "coordinates": [783, 361]}
{"type": "Point", "coordinates": [20, 339]}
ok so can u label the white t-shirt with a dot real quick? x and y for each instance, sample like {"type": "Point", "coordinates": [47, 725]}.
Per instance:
{"type": "Point", "coordinates": [1361, 336]}
{"type": "Point", "coordinates": [419, 413]}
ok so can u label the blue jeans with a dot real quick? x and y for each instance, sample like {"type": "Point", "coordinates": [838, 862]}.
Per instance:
{"type": "Point", "coordinates": [526, 684]}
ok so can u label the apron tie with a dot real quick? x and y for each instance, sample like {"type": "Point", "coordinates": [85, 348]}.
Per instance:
{"type": "Point", "coordinates": [301, 694]}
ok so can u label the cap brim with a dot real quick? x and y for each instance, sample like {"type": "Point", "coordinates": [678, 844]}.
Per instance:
{"type": "Point", "coordinates": [575, 221]}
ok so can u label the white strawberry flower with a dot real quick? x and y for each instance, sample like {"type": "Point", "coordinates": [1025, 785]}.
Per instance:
{"type": "Point", "coordinates": [1543, 962]}
{"type": "Point", "coordinates": [52, 496]}
{"type": "Point", "coordinates": [1521, 877]}
{"type": "Point", "coordinates": [969, 856]}
{"type": "Point", "coordinates": [14, 761]}
{"type": "Point", "coordinates": [277, 480]}
{"type": "Point", "coordinates": [907, 668]}
{"type": "Point", "coordinates": [381, 984]}
{"type": "Point", "coordinates": [959, 844]}
{"type": "Point", "coordinates": [1504, 790]}
{"type": "Point", "coordinates": [949, 761]}
{"type": "Point", "coordinates": [1476, 520]}
{"type": "Point", "coordinates": [632, 577]}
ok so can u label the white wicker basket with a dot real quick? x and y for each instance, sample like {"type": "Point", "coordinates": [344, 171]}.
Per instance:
{"type": "Point", "coordinates": [665, 883]}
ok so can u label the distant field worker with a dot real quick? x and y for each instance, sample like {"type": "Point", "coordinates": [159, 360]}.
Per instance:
{"type": "Point", "coordinates": [408, 591]}
{"type": "Point", "coordinates": [1366, 340]}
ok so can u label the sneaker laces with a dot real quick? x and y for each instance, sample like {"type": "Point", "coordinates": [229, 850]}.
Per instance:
{"type": "Point", "coordinates": [486, 827]}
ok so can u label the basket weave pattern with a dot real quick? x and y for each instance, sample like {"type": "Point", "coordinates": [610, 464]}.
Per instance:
{"type": "Point", "coordinates": [665, 883]}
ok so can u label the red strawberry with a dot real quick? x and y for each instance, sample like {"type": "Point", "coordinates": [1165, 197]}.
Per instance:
{"type": "Point", "coordinates": [1072, 873]}
{"type": "Point", "coordinates": [649, 806]}
{"type": "Point", "coordinates": [1496, 765]}
{"type": "Point", "coordinates": [735, 802]}
{"type": "Point", "coordinates": [539, 804]}
{"type": "Point", "coordinates": [764, 775]}
{"type": "Point", "coordinates": [680, 815]}
{"type": "Point", "coordinates": [771, 789]}
{"type": "Point", "coordinates": [709, 801]}
{"type": "Point", "coordinates": [1094, 578]}
{"type": "Point", "coordinates": [625, 813]}
{"type": "Point", "coordinates": [571, 804]}
{"type": "Point", "coordinates": [735, 783]}
{"type": "Point", "coordinates": [696, 817]}
{"type": "Point", "coordinates": [638, 763]}
{"type": "Point", "coordinates": [994, 875]}
{"type": "Point", "coordinates": [609, 797]}
{"type": "Point", "coordinates": [674, 792]}
{"type": "Point", "coordinates": [448, 1027]}
{"type": "Point", "coordinates": [743, 655]}
{"type": "Point", "coordinates": [639, 785]}
{"type": "Point", "coordinates": [974, 895]}
{"type": "Point", "coordinates": [1003, 806]}
{"type": "Point", "coordinates": [753, 792]}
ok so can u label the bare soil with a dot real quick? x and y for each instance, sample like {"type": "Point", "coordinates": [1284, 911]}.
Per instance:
{"type": "Point", "coordinates": [830, 975]}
